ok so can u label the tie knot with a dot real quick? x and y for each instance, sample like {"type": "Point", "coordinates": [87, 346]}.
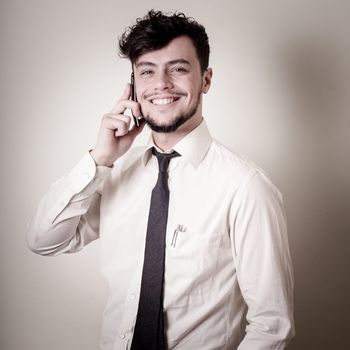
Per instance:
{"type": "Point", "coordinates": [164, 159]}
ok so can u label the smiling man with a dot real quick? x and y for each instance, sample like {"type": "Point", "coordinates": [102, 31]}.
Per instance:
{"type": "Point", "coordinates": [193, 238]}
{"type": "Point", "coordinates": [172, 87]}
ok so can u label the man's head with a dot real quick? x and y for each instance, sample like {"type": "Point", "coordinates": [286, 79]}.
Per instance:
{"type": "Point", "coordinates": [156, 30]}
{"type": "Point", "coordinates": [169, 56]}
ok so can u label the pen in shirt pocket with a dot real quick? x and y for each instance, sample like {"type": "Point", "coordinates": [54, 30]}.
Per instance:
{"type": "Point", "coordinates": [180, 228]}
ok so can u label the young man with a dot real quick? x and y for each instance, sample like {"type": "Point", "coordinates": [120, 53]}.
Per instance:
{"type": "Point", "coordinates": [202, 261]}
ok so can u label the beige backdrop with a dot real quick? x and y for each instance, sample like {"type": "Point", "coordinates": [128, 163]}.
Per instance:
{"type": "Point", "coordinates": [280, 96]}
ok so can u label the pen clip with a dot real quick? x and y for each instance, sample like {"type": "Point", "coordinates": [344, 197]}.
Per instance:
{"type": "Point", "coordinates": [179, 228]}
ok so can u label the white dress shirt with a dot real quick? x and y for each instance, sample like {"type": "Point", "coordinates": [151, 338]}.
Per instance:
{"type": "Point", "coordinates": [228, 273]}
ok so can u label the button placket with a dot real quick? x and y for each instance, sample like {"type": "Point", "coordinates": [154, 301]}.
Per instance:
{"type": "Point", "coordinates": [130, 310]}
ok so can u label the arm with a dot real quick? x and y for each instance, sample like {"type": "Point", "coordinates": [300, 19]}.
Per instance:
{"type": "Point", "coordinates": [68, 215]}
{"type": "Point", "coordinates": [264, 267]}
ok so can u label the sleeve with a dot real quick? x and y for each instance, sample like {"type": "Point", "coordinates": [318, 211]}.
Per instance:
{"type": "Point", "coordinates": [263, 262]}
{"type": "Point", "coordinates": [67, 217]}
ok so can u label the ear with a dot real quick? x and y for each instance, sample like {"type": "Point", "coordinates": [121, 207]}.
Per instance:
{"type": "Point", "coordinates": [208, 74]}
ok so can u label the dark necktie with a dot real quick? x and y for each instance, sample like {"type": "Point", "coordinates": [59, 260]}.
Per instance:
{"type": "Point", "coordinates": [149, 327]}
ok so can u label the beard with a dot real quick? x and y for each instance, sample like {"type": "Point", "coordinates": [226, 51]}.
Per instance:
{"type": "Point", "coordinates": [176, 123]}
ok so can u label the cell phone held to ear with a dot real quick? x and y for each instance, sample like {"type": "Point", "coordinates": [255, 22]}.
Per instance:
{"type": "Point", "coordinates": [134, 98]}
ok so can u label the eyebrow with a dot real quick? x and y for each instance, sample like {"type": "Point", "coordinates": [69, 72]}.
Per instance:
{"type": "Point", "coordinates": [169, 63]}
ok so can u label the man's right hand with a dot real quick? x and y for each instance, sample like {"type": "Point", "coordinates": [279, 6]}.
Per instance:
{"type": "Point", "coordinates": [114, 137]}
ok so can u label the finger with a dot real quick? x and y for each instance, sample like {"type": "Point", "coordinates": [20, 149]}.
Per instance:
{"type": "Point", "coordinates": [118, 117]}
{"type": "Point", "coordinates": [120, 124]}
{"type": "Point", "coordinates": [136, 109]}
{"type": "Point", "coordinates": [136, 130]}
{"type": "Point", "coordinates": [127, 104]}
{"type": "Point", "coordinates": [125, 96]}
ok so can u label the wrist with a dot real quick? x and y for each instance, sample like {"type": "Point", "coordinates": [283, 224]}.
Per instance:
{"type": "Point", "coordinates": [101, 160]}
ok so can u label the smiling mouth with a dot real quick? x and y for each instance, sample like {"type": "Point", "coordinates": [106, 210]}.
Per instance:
{"type": "Point", "coordinates": [164, 101]}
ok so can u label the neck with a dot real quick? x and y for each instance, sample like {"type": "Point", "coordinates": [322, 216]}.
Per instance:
{"type": "Point", "coordinates": [166, 141]}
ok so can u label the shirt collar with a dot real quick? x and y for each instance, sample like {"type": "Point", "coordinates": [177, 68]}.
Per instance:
{"type": "Point", "coordinates": [192, 147]}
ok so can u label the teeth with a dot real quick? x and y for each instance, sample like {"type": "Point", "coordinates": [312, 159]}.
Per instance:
{"type": "Point", "coordinates": [162, 101]}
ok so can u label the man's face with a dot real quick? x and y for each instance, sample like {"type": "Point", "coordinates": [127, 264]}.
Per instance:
{"type": "Point", "coordinates": [169, 85]}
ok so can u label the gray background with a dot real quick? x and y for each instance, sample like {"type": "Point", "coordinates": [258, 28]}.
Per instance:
{"type": "Point", "coordinates": [280, 97]}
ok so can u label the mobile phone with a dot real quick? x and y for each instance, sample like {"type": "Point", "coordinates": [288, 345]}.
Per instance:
{"type": "Point", "coordinates": [133, 97]}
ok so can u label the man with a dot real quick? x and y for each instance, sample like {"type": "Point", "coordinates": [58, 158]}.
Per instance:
{"type": "Point", "coordinates": [202, 261]}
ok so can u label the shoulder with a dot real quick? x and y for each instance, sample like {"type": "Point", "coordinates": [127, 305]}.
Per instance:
{"type": "Point", "coordinates": [229, 163]}
{"type": "Point", "coordinates": [222, 155]}
{"type": "Point", "coordinates": [249, 177]}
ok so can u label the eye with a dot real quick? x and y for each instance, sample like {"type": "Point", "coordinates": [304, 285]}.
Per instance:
{"type": "Point", "coordinates": [146, 72]}
{"type": "Point", "coordinates": [179, 69]}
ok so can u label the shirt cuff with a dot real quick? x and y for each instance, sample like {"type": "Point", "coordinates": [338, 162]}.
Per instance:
{"type": "Point", "coordinates": [86, 175]}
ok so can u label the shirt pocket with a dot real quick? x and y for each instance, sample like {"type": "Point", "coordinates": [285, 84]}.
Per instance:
{"type": "Point", "coordinates": [191, 264]}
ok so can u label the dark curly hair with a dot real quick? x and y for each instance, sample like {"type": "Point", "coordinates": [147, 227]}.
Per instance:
{"type": "Point", "coordinates": [156, 30]}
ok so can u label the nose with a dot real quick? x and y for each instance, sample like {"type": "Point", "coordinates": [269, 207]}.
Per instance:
{"type": "Point", "coordinates": [163, 81]}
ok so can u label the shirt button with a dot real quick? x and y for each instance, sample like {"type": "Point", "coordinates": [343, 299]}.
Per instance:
{"type": "Point", "coordinates": [122, 336]}
{"type": "Point", "coordinates": [132, 297]}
